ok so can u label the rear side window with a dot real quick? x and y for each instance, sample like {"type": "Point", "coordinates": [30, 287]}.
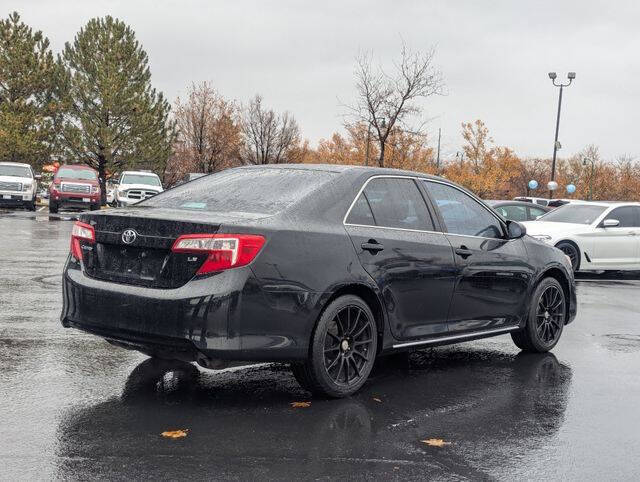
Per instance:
{"type": "Point", "coordinates": [259, 191]}
{"type": "Point", "coordinates": [361, 212]}
{"type": "Point", "coordinates": [394, 203]}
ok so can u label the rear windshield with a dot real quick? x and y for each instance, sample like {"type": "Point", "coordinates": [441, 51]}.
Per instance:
{"type": "Point", "coordinates": [260, 191]}
{"type": "Point", "coordinates": [140, 179]}
{"type": "Point", "coordinates": [574, 213]}
{"type": "Point", "coordinates": [76, 173]}
{"type": "Point", "coordinates": [15, 171]}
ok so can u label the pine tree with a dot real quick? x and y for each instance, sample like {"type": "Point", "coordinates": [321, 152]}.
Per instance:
{"type": "Point", "coordinates": [27, 108]}
{"type": "Point", "coordinates": [114, 118]}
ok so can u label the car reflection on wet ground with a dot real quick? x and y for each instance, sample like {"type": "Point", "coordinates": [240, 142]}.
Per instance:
{"type": "Point", "coordinates": [74, 407]}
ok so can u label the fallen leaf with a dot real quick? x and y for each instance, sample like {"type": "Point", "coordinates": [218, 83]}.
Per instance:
{"type": "Point", "coordinates": [435, 442]}
{"type": "Point", "coordinates": [377, 400]}
{"type": "Point", "coordinates": [300, 404]}
{"type": "Point", "coordinates": [175, 433]}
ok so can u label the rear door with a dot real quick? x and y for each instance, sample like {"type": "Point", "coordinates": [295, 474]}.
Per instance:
{"type": "Point", "coordinates": [492, 273]}
{"type": "Point", "coordinates": [618, 247]}
{"type": "Point", "coordinates": [394, 234]}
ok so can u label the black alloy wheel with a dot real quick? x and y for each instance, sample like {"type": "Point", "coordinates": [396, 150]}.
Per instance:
{"type": "Point", "coordinates": [550, 314]}
{"type": "Point", "coordinates": [546, 320]}
{"type": "Point", "coordinates": [572, 252]}
{"type": "Point", "coordinates": [343, 349]}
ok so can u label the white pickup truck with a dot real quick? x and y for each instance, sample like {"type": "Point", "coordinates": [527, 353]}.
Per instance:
{"type": "Point", "coordinates": [134, 186]}
{"type": "Point", "coordinates": [18, 185]}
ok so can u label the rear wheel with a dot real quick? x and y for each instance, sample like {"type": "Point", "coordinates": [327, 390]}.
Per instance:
{"type": "Point", "coordinates": [343, 349]}
{"type": "Point", "coordinates": [546, 320]}
{"type": "Point", "coordinates": [571, 250]}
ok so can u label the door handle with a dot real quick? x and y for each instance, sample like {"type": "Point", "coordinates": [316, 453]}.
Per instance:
{"type": "Point", "coordinates": [372, 246]}
{"type": "Point", "coordinates": [463, 252]}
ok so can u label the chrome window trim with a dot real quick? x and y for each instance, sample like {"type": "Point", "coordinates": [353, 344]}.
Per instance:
{"type": "Point", "coordinates": [415, 178]}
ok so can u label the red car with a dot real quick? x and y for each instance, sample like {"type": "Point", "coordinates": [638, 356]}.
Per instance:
{"type": "Point", "coordinates": [76, 187]}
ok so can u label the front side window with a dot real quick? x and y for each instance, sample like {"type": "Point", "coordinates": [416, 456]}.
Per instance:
{"type": "Point", "coordinates": [515, 213]}
{"type": "Point", "coordinates": [462, 214]}
{"type": "Point", "coordinates": [626, 215]}
{"type": "Point", "coordinates": [535, 213]}
{"type": "Point", "coordinates": [391, 203]}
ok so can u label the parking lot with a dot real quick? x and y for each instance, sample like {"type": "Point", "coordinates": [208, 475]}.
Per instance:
{"type": "Point", "coordinates": [73, 406]}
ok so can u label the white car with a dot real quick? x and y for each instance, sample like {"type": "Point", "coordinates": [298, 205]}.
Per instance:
{"type": "Point", "coordinates": [18, 185]}
{"type": "Point", "coordinates": [596, 236]}
{"type": "Point", "coordinates": [134, 186]}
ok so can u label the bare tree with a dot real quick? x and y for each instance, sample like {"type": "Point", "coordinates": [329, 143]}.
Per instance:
{"type": "Point", "coordinates": [269, 138]}
{"type": "Point", "coordinates": [388, 102]}
{"type": "Point", "coordinates": [209, 129]}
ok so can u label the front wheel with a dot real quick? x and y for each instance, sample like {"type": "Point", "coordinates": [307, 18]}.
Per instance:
{"type": "Point", "coordinates": [53, 207]}
{"type": "Point", "coordinates": [572, 252]}
{"type": "Point", "coordinates": [343, 349]}
{"type": "Point", "coordinates": [547, 316]}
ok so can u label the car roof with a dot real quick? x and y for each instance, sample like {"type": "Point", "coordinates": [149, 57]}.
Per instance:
{"type": "Point", "coordinates": [22, 164]}
{"type": "Point", "coordinates": [77, 166]}
{"type": "Point", "coordinates": [506, 202]}
{"type": "Point", "coordinates": [143, 173]}
{"type": "Point", "coordinates": [341, 168]}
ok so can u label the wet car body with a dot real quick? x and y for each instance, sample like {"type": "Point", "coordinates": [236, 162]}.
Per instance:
{"type": "Point", "coordinates": [423, 289]}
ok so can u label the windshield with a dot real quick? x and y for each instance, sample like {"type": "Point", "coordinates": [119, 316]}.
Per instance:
{"type": "Point", "coordinates": [15, 171]}
{"type": "Point", "coordinates": [574, 213]}
{"type": "Point", "coordinates": [260, 191]}
{"type": "Point", "coordinates": [76, 173]}
{"type": "Point", "coordinates": [141, 179]}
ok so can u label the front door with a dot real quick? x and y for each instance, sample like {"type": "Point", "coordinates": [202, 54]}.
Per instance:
{"type": "Point", "coordinates": [617, 247]}
{"type": "Point", "coordinates": [492, 272]}
{"type": "Point", "coordinates": [393, 233]}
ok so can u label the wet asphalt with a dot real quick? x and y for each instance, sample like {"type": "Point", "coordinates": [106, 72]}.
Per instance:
{"type": "Point", "coordinates": [74, 407]}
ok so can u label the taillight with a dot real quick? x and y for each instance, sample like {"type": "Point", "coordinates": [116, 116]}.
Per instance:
{"type": "Point", "coordinates": [224, 250]}
{"type": "Point", "coordinates": [81, 231]}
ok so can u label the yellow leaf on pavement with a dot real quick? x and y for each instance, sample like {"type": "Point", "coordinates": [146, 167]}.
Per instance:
{"type": "Point", "coordinates": [435, 442]}
{"type": "Point", "coordinates": [300, 404]}
{"type": "Point", "coordinates": [175, 433]}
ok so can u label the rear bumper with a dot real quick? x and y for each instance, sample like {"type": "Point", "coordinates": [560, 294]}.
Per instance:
{"type": "Point", "coordinates": [207, 316]}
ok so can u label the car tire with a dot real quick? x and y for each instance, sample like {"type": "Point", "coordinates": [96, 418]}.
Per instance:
{"type": "Point", "coordinates": [342, 350]}
{"type": "Point", "coordinates": [31, 206]}
{"type": "Point", "coordinates": [546, 318]}
{"type": "Point", "coordinates": [53, 207]}
{"type": "Point", "coordinates": [94, 207]}
{"type": "Point", "coordinates": [572, 251]}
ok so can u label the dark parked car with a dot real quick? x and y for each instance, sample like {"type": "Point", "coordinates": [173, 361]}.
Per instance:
{"type": "Point", "coordinates": [518, 210]}
{"type": "Point", "coordinates": [325, 267]}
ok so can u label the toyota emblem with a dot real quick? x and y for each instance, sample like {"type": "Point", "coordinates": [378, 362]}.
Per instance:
{"type": "Point", "coordinates": [129, 236]}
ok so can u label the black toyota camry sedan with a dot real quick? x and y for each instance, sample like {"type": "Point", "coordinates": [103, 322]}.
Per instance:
{"type": "Point", "coordinates": [321, 266]}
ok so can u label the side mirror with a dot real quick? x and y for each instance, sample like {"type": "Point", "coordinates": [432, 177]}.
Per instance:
{"type": "Point", "coordinates": [515, 230]}
{"type": "Point", "coordinates": [610, 223]}
{"type": "Point", "coordinates": [37, 177]}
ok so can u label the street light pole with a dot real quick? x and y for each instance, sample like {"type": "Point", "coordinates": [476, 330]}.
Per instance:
{"type": "Point", "coordinates": [556, 144]}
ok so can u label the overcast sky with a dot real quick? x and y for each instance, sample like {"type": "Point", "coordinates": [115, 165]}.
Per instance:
{"type": "Point", "coordinates": [494, 56]}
